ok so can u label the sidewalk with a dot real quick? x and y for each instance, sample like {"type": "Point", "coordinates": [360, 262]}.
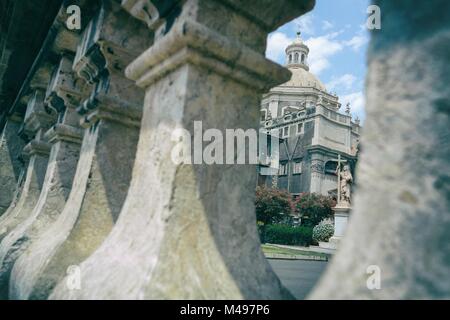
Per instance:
{"type": "Point", "coordinates": [311, 248]}
{"type": "Point", "coordinates": [293, 253]}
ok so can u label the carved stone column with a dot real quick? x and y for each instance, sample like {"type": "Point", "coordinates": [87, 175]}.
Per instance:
{"type": "Point", "coordinates": [37, 121]}
{"type": "Point", "coordinates": [316, 171]}
{"type": "Point", "coordinates": [11, 164]}
{"type": "Point", "coordinates": [399, 229]}
{"type": "Point", "coordinates": [111, 116]}
{"type": "Point", "coordinates": [189, 231]}
{"type": "Point", "coordinates": [65, 141]}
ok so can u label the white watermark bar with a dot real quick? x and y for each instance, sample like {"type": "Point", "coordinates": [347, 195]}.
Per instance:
{"type": "Point", "coordinates": [231, 146]}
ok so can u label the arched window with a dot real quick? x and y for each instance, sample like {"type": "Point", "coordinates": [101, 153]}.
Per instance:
{"type": "Point", "coordinates": [303, 58]}
{"type": "Point", "coordinates": [290, 58]}
{"type": "Point", "coordinates": [330, 167]}
{"type": "Point", "coordinates": [296, 58]}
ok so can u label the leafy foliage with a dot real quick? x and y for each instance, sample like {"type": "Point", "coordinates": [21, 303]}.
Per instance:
{"type": "Point", "coordinates": [284, 234]}
{"type": "Point", "coordinates": [273, 205]}
{"type": "Point", "coordinates": [314, 208]}
{"type": "Point", "coordinates": [323, 231]}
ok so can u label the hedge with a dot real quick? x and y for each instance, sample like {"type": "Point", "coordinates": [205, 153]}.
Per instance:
{"type": "Point", "coordinates": [284, 234]}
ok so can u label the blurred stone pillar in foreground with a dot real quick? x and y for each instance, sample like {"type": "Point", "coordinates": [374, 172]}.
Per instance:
{"type": "Point", "coordinates": [399, 229]}
{"type": "Point", "coordinates": [189, 231]}
{"type": "Point", "coordinates": [11, 146]}
{"type": "Point", "coordinates": [111, 116]}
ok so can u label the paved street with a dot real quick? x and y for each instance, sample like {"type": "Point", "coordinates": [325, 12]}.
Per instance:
{"type": "Point", "coordinates": [299, 276]}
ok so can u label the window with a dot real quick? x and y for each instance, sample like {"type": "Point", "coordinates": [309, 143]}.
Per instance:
{"type": "Point", "coordinates": [263, 115]}
{"type": "Point", "coordinates": [296, 58]}
{"type": "Point", "coordinates": [290, 58]}
{"type": "Point", "coordinates": [299, 128]}
{"type": "Point", "coordinates": [303, 58]}
{"type": "Point", "coordinates": [297, 167]}
{"type": "Point", "coordinates": [285, 132]}
{"type": "Point", "coordinates": [282, 171]}
{"type": "Point", "coordinates": [330, 167]}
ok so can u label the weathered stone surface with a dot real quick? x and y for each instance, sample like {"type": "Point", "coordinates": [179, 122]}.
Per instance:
{"type": "Point", "coordinates": [189, 231]}
{"type": "Point", "coordinates": [58, 181]}
{"type": "Point", "coordinates": [65, 140]}
{"type": "Point", "coordinates": [111, 116]}
{"type": "Point", "coordinates": [401, 215]}
{"type": "Point", "coordinates": [32, 186]}
{"type": "Point", "coordinates": [36, 122]}
{"type": "Point", "coordinates": [11, 164]}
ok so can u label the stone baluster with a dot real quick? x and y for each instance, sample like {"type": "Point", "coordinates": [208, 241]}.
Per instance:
{"type": "Point", "coordinates": [11, 162]}
{"type": "Point", "coordinates": [397, 242]}
{"type": "Point", "coordinates": [63, 94]}
{"type": "Point", "coordinates": [37, 121]}
{"type": "Point", "coordinates": [189, 231]}
{"type": "Point", "coordinates": [111, 117]}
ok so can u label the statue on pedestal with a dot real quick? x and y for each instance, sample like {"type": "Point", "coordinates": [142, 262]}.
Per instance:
{"type": "Point", "coordinates": [345, 180]}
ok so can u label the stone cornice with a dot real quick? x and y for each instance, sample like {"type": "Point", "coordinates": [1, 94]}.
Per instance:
{"type": "Point", "coordinates": [325, 150]}
{"type": "Point", "coordinates": [192, 42]}
{"type": "Point", "coordinates": [38, 147]}
{"type": "Point", "coordinates": [63, 132]}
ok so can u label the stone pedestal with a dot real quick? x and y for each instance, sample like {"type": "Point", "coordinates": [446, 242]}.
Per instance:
{"type": "Point", "coordinates": [341, 215]}
{"type": "Point", "coordinates": [111, 117]}
{"type": "Point", "coordinates": [65, 140]}
{"type": "Point", "coordinates": [11, 165]}
{"type": "Point", "coordinates": [37, 121]}
{"type": "Point", "coordinates": [189, 231]}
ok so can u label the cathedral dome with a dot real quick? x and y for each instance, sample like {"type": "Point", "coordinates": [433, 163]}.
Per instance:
{"type": "Point", "coordinates": [303, 78]}
{"type": "Point", "coordinates": [296, 60]}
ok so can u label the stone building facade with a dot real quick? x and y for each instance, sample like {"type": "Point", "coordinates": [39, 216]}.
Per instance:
{"type": "Point", "coordinates": [312, 131]}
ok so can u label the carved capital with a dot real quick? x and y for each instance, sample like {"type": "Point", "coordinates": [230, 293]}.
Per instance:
{"type": "Point", "coordinates": [37, 117]}
{"type": "Point", "coordinates": [65, 90]}
{"type": "Point", "coordinates": [317, 166]}
{"type": "Point", "coordinates": [63, 132]}
{"type": "Point", "coordinates": [36, 147]}
{"type": "Point", "coordinates": [154, 13]}
{"type": "Point", "coordinates": [111, 40]}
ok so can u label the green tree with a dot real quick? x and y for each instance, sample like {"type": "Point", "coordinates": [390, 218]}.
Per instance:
{"type": "Point", "coordinates": [273, 205]}
{"type": "Point", "coordinates": [314, 208]}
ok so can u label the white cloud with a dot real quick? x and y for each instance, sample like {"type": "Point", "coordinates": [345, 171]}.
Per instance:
{"type": "Point", "coordinates": [360, 39]}
{"type": "Point", "coordinates": [357, 42]}
{"type": "Point", "coordinates": [357, 103]}
{"type": "Point", "coordinates": [344, 82]}
{"type": "Point", "coordinates": [276, 45]}
{"type": "Point", "coordinates": [327, 25]}
{"type": "Point", "coordinates": [321, 49]}
{"type": "Point", "coordinates": [305, 24]}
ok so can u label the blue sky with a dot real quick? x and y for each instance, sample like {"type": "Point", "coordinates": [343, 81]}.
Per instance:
{"type": "Point", "coordinates": [337, 38]}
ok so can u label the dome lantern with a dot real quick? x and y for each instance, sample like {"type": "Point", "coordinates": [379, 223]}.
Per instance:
{"type": "Point", "coordinates": [297, 54]}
